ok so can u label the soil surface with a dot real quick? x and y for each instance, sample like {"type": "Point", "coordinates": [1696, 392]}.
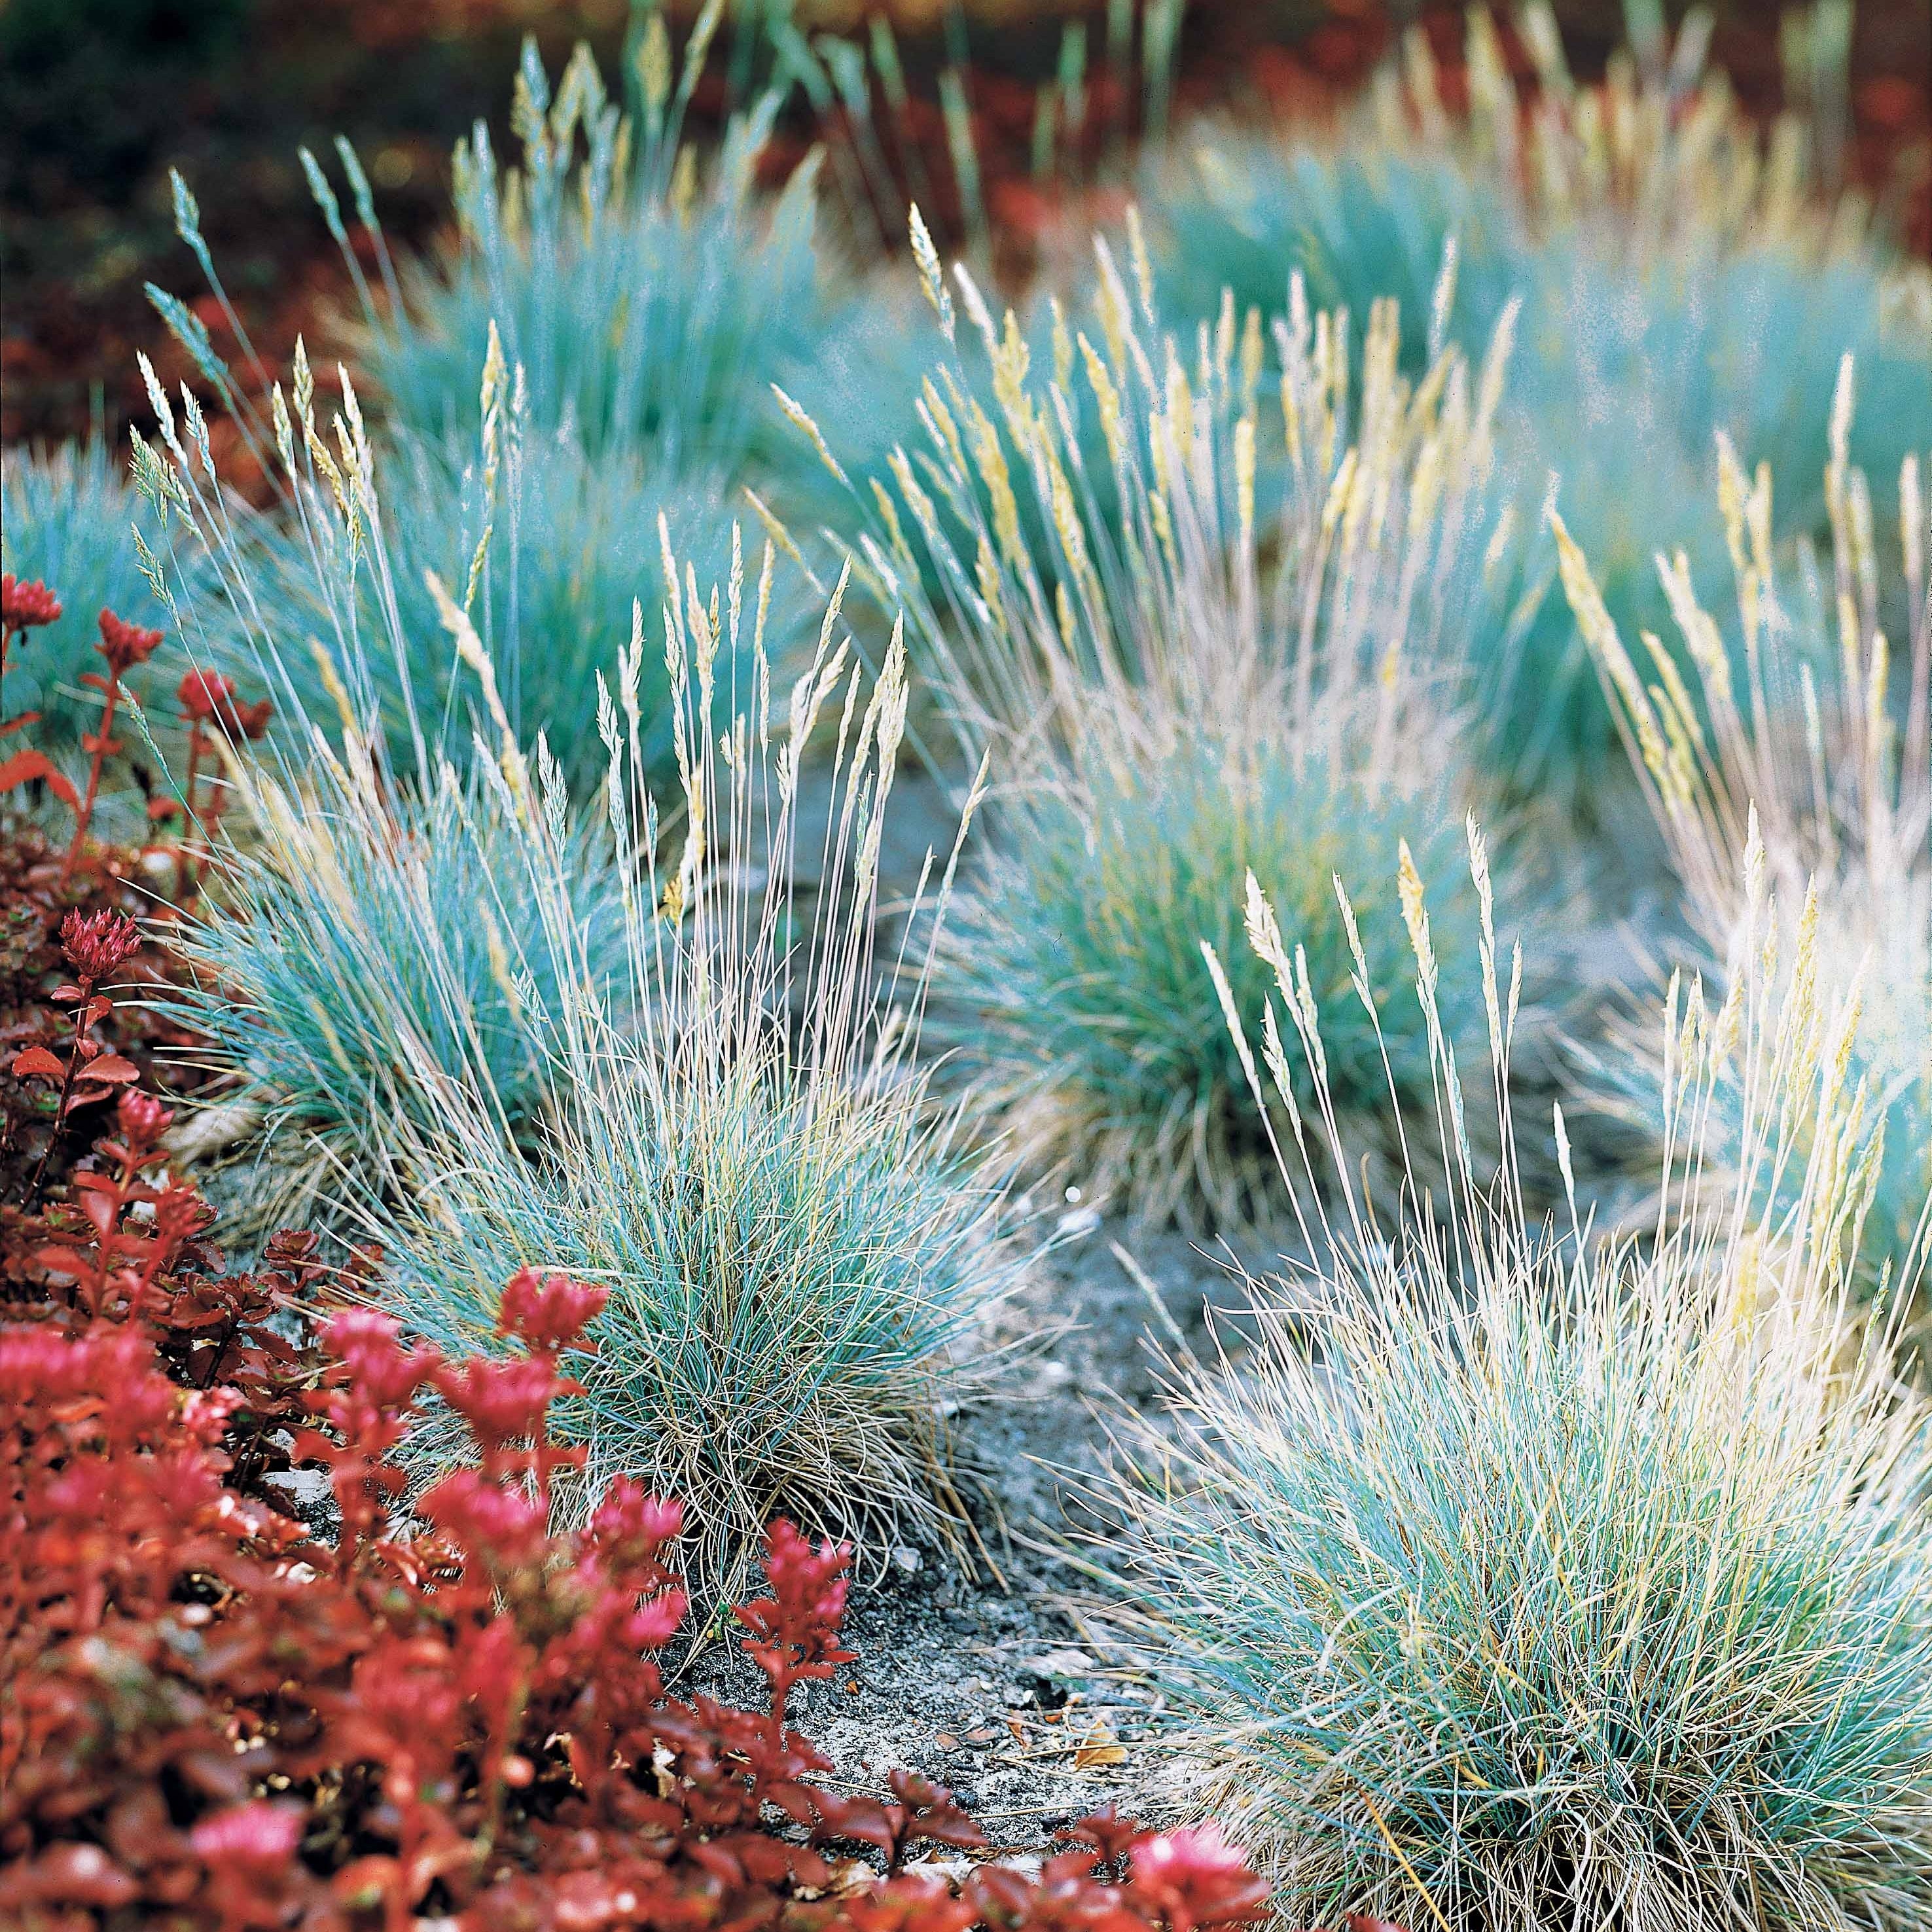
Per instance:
{"type": "Point", "coordinates": [989, 1677]}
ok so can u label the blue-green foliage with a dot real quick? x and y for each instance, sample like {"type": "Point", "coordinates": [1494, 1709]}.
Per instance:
{"type": "Point", "coordinates": [640, 307]}
{"type": "Point", "coordinates": [1571, 1625]}
{"type": "Point", "coordinates": [646, 315]}
{"type": "Point", "coordinates": [1624, 371]}
{"type": "Point", "coordinates": [359, 972]}
{"type": "Point", "coordinates": [1079, 974]}
{"type": "Point", "coordinates": [1623, 385]}
{"type": "Point", "coordinates": [796, 1284]}
{"type": "Point", "coordinates": [572, 541]}
{"type": "Point", "coordinates": [1242, 213]}
{"type": "Point", "coordinates": [67, 518]}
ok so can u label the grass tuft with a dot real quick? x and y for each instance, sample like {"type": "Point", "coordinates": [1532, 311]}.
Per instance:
{"type": "Point", "coordinates": [649, 300]}
{"type": "Point", "coordinates": [1682, 272]}
{"type": "Point", "coordinates": [658, 1050]}
{"type": "Point", "coordinates": [1516, 1577]}
{"type": "Point", "coordinates": [1207, 629]}
{"type": "Point", "coordinates": [1823, 746]}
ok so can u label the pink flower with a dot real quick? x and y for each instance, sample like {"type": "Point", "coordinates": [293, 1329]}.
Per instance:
{"type": "Point", "coordinates": [501, 1401]}
{"type": "Point", "coordinates": [97, 943]}
{"type": "Point", "coordinates": [203, 694]}
{"type": "Point", "coordinates": [1195, 1878]}
{"type": "Point", "coordinates": [22, 606]}
{"type": "Point", "coordinates": [656, 1621]}
{"type": "Point", "coordinates": [124, 645]}
{"type": "Point", "coordinates": [381, 1371]}
{"type": "Point", "coordinates": [506, 1527]}
{"type": "Point", "coordinates": [258, 1837]}
{"type": "Point", "coordinates": [548, 1313]}
{"type": "Point", "coordinates": [142, 1118]}
{"type": "Point", "coordinates": [207, 698]}
{"type": "Point", "coordinates": [630, 1513]}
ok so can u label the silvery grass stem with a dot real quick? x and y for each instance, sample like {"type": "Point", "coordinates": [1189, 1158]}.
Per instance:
{"type": "Point", "coordinates": [562, 1041]}
{"type": "Point", "coordinates": [1682, 269]}
{"type": "Point", "coordinates": [1210, 623]}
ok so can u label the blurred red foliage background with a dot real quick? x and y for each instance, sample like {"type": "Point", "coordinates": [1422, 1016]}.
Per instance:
{"type": "Point", "coordinates": [99, 98]}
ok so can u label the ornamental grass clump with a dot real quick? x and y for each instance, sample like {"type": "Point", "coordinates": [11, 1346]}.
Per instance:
{"type": "Point", "coordinates": [803, 1252]}
{"type": "Point", "coordinates": [1682, 270]}
{"type": "Point", "coordinates": [689, 1079]}
{"type": "Point", "coordinates": [1827, 738]}
{"type": "Point", "coordinates": [1206, 634]}
{"type": "Point", "coordinates": [1519, 1575]}
{"type": "Point", "coordinates": [365, 955]}
{"type": "Point", "coordinates": [650, 301]}
{"type": "Point", "coordinates": [627, 306]}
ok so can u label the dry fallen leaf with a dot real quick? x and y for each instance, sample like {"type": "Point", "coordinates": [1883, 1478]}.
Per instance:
{"type": "Point", "coordinates": [1098, 1749]}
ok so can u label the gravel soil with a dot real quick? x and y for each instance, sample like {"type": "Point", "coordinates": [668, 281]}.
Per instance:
{"type": "Point", "coordinates": [988, 1676]}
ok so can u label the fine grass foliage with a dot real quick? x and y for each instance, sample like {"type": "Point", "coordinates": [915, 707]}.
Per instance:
{"type": "Point", "coordinates": [1514, 1575]}
{"type": "Point", "coordinates": [1208, 628]}
{"type": "Point", "coordinates": [680, 1071]}
{"type": "Point", "coordinates": [1078, 996]}
{"type": "Point", "coordinates": [365, 957]}
{"type": "Point", "coordinates": [547, 548]}
{"type": "Point", "coordinates": [649, 300]}
{"type": "Point", "coordinates": [802, 1253]}
{"type": "Point", "coordinates": [1826, 742]}
{"type": "Point", "coordinates": [68, 518]}
{"type": "Point", "coordinates": [1681, 271]}
{"type": "Point", "coordinates": [629, 305]}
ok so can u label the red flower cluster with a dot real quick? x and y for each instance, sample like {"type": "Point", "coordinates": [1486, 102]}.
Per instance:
{"type": "Point", "coordinates": [125, 645]}
{"type": "Point", "coordinates": [207, 698]}
{"type": "Point", "coordinates": [46, 1020]}
{"type": "Point", "coordinates": [24, 607]}
{"type": "Point", "coordinates": [217, 1719]}
{"type": "Point", "coordinates": [98, 944]}
{"type": "Point", "coordinates": [208, 703]}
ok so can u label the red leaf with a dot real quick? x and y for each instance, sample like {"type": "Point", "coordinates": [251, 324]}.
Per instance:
{"type": "Point", "coordinates": [111, 1070]}
{"type": "Point", "coordinates": [23, 767]}
{"type": "Point", "coordinates": [37, 1063]}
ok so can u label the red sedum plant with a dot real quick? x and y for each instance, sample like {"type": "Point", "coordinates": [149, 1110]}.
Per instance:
{"type": "Point", "coordinates": [215, 1717]}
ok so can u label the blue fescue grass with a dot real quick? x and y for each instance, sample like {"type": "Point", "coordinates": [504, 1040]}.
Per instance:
{"type": "Point", "coordinates": [1206, 626]}
{"type": "Point", "coordinates": [551, 550]}
{"type": "Point", "coordinates": [803, 1253]}
{"type": "Point", "coordinates": [629, 307]}
{"type": "Point", "coordinates": [1517, 1576]}
{"type": "Point", "coordinates": [650, 304]}
{"type": "Point", "coordinates": [67, 518]}
{"type": "Point", "coordinates": [1227, 208]}
{"type": "Point", "coordinates": [1680, 275]}
{"type": "Point", "coordinates": [1823, 744]}
{"type": "Point", "coordinates": [519, 1038]}
{"type": "Point", "coordinates": [1076, 966]}
{"type": "Point", "coordinates": [367, 956]}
